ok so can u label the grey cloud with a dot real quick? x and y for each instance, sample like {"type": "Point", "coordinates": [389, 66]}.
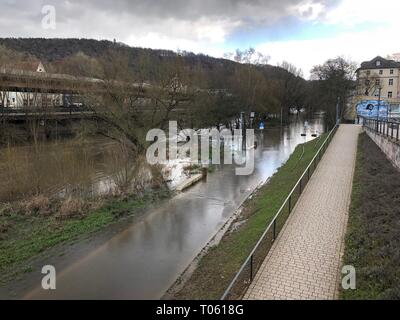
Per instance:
{"type": "Point", "coordinates": [122, 18]}
{"type": "Point", "coordinates": [195, 9]}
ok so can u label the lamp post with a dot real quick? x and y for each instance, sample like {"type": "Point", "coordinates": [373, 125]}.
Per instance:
{"type": "Point", "coordinates": [379, 106]}
{"type": "Point", "coordinates": [337, 111]}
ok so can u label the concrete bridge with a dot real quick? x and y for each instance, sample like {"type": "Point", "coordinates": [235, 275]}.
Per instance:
{"type": "Point", "coordinates": [27, 81]}
{"type": "Point", "coordinates": [35, 84]}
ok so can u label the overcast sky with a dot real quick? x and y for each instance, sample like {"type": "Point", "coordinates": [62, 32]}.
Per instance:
{"type": "Point", "coordinates": [303, 32]}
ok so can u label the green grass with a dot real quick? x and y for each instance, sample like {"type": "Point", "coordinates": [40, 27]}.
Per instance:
{"type": "Point", "coordinates": [28, 236]}
{"type": "Point", "coordinates": [372, 240]}
{"type": "Point", "coordinates": [218, 267]}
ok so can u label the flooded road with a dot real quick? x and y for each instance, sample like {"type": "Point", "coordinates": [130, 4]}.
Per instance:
{"type": "Point", "coordinates": [145, 259]}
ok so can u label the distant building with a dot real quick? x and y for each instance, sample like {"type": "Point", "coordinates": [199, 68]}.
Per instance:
{"type": "Point", "coordinates": [19, 100]}
{"type": "Point", "coordinates": [378, 80]}
{"type": "Point", "coordinates": [31, 66]}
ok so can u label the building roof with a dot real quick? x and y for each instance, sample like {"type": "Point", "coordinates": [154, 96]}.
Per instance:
{"type": "Point", "coordinates": [379, 63]}
{"type": "Point", "coordinates": [32, 66]}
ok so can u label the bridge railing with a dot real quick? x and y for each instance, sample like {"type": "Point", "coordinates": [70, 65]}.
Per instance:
{"type": "Point", "coordinates": [49, 110]}
{"type": "Point", "coordinates": [389, 129]}
{"type": "Point", "coordinates": [245, 276]}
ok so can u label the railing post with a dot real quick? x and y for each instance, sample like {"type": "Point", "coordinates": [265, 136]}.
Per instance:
{"type": "Point", "coordinates": [251, 268]}
{"type": "Point", "coordinates": [397, 134]}
{"type": "Point", "coordinates": [301, 187]}
{"type": "Point", "coordinates": [387, 129]}
{"type": "Point", "coordinates": [391, 135]}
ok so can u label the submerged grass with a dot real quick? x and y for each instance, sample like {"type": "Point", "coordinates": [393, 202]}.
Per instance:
{"type": "Point", "coordinates": [23, 237]}
{"type": "Point", "coordinates": [219, 265]}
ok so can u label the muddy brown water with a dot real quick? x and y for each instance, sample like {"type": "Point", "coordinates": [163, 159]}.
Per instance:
{"type": "Point", "coordinates": [66, 167]}
{"type": "Point", "coordinates": [145, 258]}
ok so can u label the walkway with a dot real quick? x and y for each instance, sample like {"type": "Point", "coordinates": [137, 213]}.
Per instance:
{"type": "Point", "coordinates": [304, 263]}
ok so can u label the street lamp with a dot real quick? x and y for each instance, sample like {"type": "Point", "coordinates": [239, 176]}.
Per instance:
{"type": "Point", "coordinates": [379, 106]}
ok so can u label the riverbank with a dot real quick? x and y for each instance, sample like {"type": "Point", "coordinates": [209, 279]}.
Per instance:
{"type": "Point", "coordinates": [216, 267]}
{"type": "Point", "coordinates": [32, 227]}
{"type": "Point", "coordinates": [372, 239]}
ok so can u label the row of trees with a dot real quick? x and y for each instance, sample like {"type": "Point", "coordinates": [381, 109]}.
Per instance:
{"type": "Point", "coordinates": [195, 96]}
{"type": "Point", "coordinates": [198, 91]}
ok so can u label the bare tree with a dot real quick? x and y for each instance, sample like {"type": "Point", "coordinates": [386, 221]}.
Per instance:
{"type": "Point", "coordinates": [335, 78]}
{"type": "Point", "coordinates": [292, 88]}
{"type": "Point", "coordinates": [126, 106]}
{"type": "Point", "coordinates": [249, 82]}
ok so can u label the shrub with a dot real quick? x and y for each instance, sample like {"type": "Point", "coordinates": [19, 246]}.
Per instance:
{"type": "Point", "coordinates": [37, 205]}
{"type": "Point", "coordinates": [72, 208]}
{"type": "Point", "coordinates": [5, 210]}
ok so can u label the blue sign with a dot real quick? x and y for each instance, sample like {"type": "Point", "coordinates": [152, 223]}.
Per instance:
{"type": "Point", "coordinates": [262, 126]}
{"type": "Point", "coordinates": [369, 109]}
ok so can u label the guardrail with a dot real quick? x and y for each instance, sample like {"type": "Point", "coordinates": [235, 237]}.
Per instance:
{"type": "Point", "coordinates": [248, 270]}
{"type": "Point", "coordinates": [389, 129]}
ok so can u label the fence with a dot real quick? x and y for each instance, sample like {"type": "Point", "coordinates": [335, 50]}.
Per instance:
{"type": "Point", "coordinates": [248, 270]}
{"type": "Point", "coordinates": [389, 129]}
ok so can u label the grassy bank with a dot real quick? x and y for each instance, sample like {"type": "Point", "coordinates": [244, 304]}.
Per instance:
{"type": "Point", "coordinates": [373, 241]}
{"type": "Point", "coordinates": [219, 265]}
{"type": "Point", "coordinates": [25, 234]}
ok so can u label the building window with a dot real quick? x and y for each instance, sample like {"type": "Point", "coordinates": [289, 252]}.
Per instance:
{"type": "Point", "coordinates": [380, 72]}
{"type": "Point", "coordinates": [378, 63]}
{"type": "Point", "coordinates": [368, 73]}
{"type": "Point", "coordinates": [390, 94]}
{"type": "Point", "coordinates": [390, 82]}
{"type": "Point", "coordinates": [378, 82]}
{"type": "Point", "coordinates": [391, 71]}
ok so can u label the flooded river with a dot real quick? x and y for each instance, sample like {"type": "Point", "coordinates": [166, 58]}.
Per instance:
{"type": "Point", "coordinates": [84, 168]}
{"type": "Point", "coordinates": [144, 259]}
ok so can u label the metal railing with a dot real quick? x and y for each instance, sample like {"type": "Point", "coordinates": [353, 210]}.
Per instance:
{"type": "Point", "coordinates": [389, 129]}
{"type": "Point", "coordinates": [249, 268]}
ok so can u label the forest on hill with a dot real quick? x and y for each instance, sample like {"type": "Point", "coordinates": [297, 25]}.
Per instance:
{"type": "Point", "coordinates": [56, 51]}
